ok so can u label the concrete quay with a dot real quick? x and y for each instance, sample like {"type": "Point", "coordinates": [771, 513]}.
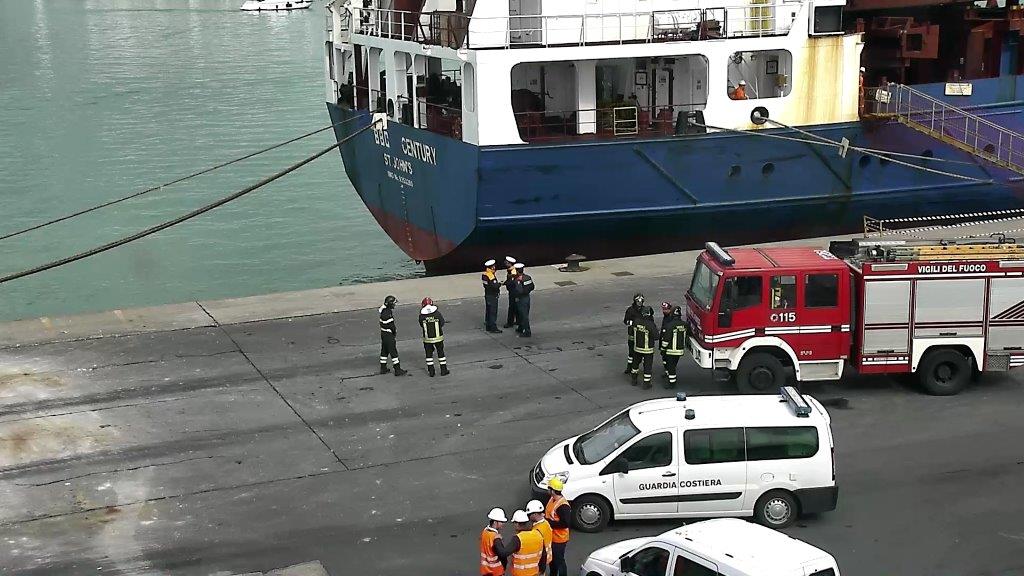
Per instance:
{"type": "Point", "coordinates": [245, 435]}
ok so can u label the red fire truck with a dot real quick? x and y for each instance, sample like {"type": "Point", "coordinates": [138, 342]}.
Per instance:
{"type": "Point", "coordinates": [939, 309]}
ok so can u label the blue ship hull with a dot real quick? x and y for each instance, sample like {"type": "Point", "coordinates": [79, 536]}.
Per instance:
{"type": "Point", "coordinates": [453, 205]}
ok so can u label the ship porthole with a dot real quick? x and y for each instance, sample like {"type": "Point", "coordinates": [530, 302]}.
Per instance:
{"type": "Point", "coordinates": [734, 170]}
{"type": "Point", "coordinates": [928, 154]}
{"type": "Point", "coordinates": [767, 169]}
{"type": "Point", "coordinates": [864, 161]}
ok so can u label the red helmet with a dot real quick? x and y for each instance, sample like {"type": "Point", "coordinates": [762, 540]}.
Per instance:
{"type": "Point", "coordinates": [426, 302]}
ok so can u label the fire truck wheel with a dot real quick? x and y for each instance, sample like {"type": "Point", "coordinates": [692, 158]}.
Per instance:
{"type": "Point", "coordinates": [944, 372]}
{"type": "Point", "coordinates": [760, 373]}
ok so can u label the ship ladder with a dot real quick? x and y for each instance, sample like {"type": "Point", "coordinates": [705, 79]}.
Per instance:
{"type": "Point", "coordinates": [954, 126]}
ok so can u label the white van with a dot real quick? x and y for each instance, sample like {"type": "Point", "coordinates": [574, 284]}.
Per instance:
{"type": "Point", "coordinates": [725, 547]}
{"type": "Point", "coordinates": [767, 456]}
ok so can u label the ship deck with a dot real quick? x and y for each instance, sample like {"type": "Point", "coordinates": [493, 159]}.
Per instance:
{"type": "Point", "coordinates": [245, 435]}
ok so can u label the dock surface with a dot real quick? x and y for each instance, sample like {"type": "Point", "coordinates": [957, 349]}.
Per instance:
{"type": "Point", "coordinates": [248, 435]}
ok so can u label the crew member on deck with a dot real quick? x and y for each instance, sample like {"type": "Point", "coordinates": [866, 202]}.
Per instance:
{"type": "Point", "coordinates": [740, 92]}
{"type": "Point", "coordinates": [492, 289]}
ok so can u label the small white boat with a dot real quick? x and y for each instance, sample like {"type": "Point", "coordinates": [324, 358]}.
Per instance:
{"type": "Point", "coordinates": [260, 5]}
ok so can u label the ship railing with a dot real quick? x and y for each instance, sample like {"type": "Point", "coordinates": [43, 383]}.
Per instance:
{"type": "Point", "coordinates": [363, 98]}
{"type": "Point", "coordinates": [439, 118]}
{"type": "Point", "coordinates": [457, 30]}
{"type": "Point", "coordinates": [609, 122]}
{"type": "Point", "coordinates": [952, 125]}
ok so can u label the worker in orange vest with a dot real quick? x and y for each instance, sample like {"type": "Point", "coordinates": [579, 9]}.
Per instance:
{"type": "Point", "coordinates": [492, 553]}
{"type": "Point", "coordinates": [740, 92]}
{"type": "Point", "coordinates": [558, 514]}
{"type": "Point", "coordinates": [526, 548]}
{"type": "Point", "coordinates": [535, 510]}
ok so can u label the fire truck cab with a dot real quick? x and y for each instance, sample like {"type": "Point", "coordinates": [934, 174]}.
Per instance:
{"type": "Point", "coordinates": [938, 309]}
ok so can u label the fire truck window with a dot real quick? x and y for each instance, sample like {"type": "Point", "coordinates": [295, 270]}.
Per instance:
{"type": "Point", "coordinates": [744, 292]}
{"type": "Point", "coordinates": [783, 292]}
{"type": "Point", "coordinates": [821, 291]}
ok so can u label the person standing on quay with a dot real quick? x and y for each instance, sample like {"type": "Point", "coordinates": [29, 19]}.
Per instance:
{"type": "Point", "coordinates": [388, 337]}
{"type": "Point", "coordinates": [510, 276]}
{"type": "Point", "coordinates": [634, 312]}
{"type": "Point", "coordinates": [522, 285]}
{"type": "Point", "coordinates": [492, 289]}
{"type": "Point", "coordinates": [673, 342]}
{"type": "Point", "coordinates": [558, 514]}
{"type": "Point", "coordinates": [432, 323]}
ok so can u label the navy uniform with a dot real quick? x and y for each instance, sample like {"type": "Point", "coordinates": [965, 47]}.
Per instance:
{"type": "Point", "coordinates": [645, 335]}
{"type": "Point", "coordinates": [634, 312]}
{"type": "Point", "coordinates": [510, 276]}
{"type": "Point", "coordinates": [673, 343]}
{"type": "Point", "coordinates": [388, 335]}
{"type": "Point", "coordinates": [492, 289]}
{"type": "Point", "coordinates": [432, 324]}
{"type": "Point", "coordinates": [522, 285]}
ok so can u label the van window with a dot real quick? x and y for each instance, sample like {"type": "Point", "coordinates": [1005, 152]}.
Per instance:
{"type": "Point", "coordinates": [713, 445]}
{"type": "Point", "coordinates": [597, 444]}
{"type": "Point", "coordinates": [652, 452]}
{"type": "Point", "coordinates": [780, 443]}
{"type": "Point", "coordinates": [651, 561]}
{"type": "Point", "coordinates": [687, 567]}
{"type": "Point", "coordinates": [821, 291]}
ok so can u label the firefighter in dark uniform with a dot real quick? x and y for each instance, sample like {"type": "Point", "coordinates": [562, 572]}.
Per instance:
{"type": "Point", "coordinates": [522, 285]}
{"type": "Point", "coordinates": [673, 342]}
{"type": "Point", "coordinates": [633, 313]}
{"type": "Point", "coordinates": [432, 323]}
{"type": "Point", "coordinates": [388, 335]}
{"type": "Point", "coordinates": [666, 315]}
{"type": "Point", "coordinates": [492, 289]}
{"type": "Point", "coordinates": [510, 276]}
{"type": "Point", "coordinates": [645, 334]}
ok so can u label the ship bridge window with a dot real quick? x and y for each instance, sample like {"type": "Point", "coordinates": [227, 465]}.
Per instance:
{"type": "Point", "coordinates": [760, 74]}
{"type": "Point", "coordinates": [609, 98]}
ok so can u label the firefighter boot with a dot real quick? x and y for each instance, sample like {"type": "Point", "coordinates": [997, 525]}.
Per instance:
{"type": "Point", "coordinates": [444, 370]}
{"type": "Point", "coordinates": [633, 379]}
{"type": "Point", "coordinates": [399, 371]}
{"type": "Point", "coordinates": [384, 369]}
{"type": "Point", "coordinates": [430, 370]}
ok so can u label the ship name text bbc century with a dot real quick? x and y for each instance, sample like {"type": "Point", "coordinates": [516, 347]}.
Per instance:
{"type": "Point", "coordinates": [411, 148]}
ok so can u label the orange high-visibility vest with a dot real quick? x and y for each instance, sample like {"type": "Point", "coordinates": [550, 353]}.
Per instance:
{"type": "Point", "coordinates": [544, 527]}
{"type": "Point", "coordinates": [526, 560]}
{"type": "Point", "coordinates": [550, 512]}
{"type": "Point", "coordinates": [490, 564]}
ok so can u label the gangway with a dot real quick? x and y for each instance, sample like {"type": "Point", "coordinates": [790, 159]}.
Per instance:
{"type": "Point", "coordinates": [954, 126]}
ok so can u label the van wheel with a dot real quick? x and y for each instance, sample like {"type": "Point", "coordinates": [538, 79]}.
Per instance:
{"type": "Point", "coordinates": [776, 509]}
{"type": "Point", "coordinates": [760, 373]}
{"type": "Point", "coordinates": [944, 372]}
{"type": "Point", "coordinates": [590, 513]}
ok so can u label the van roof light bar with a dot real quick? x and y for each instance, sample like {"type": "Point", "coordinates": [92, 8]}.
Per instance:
{"type": "Point", "coordinates": [721, 255]}
{"type": "Point", "coordinates": [796, 401]}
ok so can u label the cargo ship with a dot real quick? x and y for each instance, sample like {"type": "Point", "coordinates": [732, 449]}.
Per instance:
{"type": "Point", "coordinates": [606, 128]}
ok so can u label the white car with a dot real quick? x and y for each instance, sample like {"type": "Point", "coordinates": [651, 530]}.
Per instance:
{"type": "Point", "coordinates": [725, 547]}
{"type": "Point", "coordinates": [766, 456]}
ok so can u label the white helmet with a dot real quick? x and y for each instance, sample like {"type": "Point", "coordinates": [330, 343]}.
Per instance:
{"type": "Point", "coordinates": [520, 517]}
{"type": "Point", "coordinates": [497, 514]}
{"type": "Point", "coordinates": [534, 506]}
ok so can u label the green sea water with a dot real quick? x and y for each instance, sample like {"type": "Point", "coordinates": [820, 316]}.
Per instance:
{"type": "Point", "coordinates": [101, 98]}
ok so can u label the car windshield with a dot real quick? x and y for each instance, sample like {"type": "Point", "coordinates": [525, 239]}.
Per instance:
{"type": "Point", "coordinates": [704, 284]}
{"type": "Point", "coordinates": [597, 444]}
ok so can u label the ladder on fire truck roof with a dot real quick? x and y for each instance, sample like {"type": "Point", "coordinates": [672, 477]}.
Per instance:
{"type": "Point", "coordinates": [954, 126]}
{"type": "Point", "coordinates": [996, 247]}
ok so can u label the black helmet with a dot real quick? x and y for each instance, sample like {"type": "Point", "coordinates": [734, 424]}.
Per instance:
{"type": "Point", "coordinates": [390, 301]}
{"type": "Point", "coordinates": [677, 312]}
{"type": "Point", "coordinates": [648, 312]}
{"type": "Point", "coordinates": [638, 299]}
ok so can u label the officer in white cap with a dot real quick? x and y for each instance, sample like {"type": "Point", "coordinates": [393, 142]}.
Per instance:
{"type": "Point", "coordinates": [510, 274]}
{"type": "Point", "coordinates": [492, 551]}
{"type": "Point", "coordinates": [522, 285]}
{"type": "Point", "coordinates": [492, 289]}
